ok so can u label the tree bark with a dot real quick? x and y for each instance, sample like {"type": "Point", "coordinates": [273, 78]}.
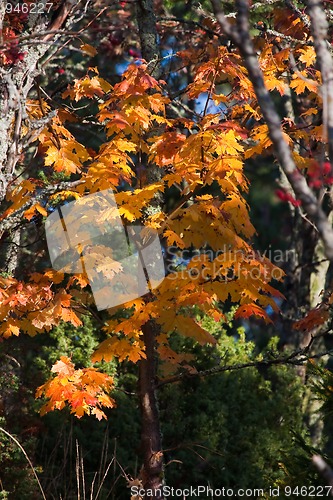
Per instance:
{"type": "Point", "coordinates": [148, 36]}
{"type": "Point", "coordinates": [16, 81]}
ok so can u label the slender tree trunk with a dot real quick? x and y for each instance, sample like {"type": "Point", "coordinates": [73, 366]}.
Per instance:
{"type": "Point", "coordinates": [151, 441]}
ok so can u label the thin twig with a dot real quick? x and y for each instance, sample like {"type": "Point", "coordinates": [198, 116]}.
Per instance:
{"type": "Point", "coordinates": [296, 358]}
{"type": "Point", "coordinates": [27, 458]}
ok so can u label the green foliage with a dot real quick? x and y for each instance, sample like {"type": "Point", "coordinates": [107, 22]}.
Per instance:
{"type": "Point", "coordinates": [322, 386]}
{"type": "Point", "coordinates": [237, 428]}
{"type": "Point", "coordinates": [243, 428]}
{"type": "Point", "coordinates": [77, 342]}
{"type": "Point", "coordinates": [16, 477]}
{"type": "Point", "coordinates": [50, 442]}
{"type": "Point", "coordinates": [233, 429]}
{"type": "Point", "coordinates": [99, 444]}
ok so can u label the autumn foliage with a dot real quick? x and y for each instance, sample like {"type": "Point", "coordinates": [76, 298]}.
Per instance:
{"type": "Point", "coordinates": [191, 154]}
{"type": "Point", "coordinates": [206, 121]}
{"type": "Point", "coordinates": [85, 391]}
{"type": "Point", "coordinates": [201, 156]}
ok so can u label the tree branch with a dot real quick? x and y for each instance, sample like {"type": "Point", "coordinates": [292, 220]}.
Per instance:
{"type": "Point", "coordinates": [242, 39]}
{"type": "Point", "coordinates": [296, 358]}
{"type": "Point", "coordinates": [319, 30]}
{"type": "Point", "coordinates": [16, 82]}
{"type": "Point", "coordinates": [15, 219]}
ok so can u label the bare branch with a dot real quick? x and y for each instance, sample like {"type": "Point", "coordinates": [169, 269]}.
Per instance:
{"type": "Point", "coordinates": [319, 30]}
{"type": "Point", "coordinates": [240, 35]}
{"type": "Point", "coordinates": [296, 358]}
{"type": "Point", "coordinates": [227, 28]}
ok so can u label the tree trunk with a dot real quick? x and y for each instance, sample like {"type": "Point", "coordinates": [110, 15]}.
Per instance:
{"type": "Point", "coordinates": [16, 81]}
{"type": "Point", "coordinates": [148, 36]}
{"type": "Point", "coordinates": [151, 442]}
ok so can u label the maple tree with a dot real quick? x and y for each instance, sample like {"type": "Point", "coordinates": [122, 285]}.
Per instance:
{"type": "Point", "coordinates": [176, 170]}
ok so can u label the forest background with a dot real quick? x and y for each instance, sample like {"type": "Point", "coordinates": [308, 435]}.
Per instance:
{"type": "Point", "coordinates": [212, 124]}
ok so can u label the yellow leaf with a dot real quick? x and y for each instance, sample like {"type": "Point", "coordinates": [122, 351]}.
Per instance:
{"type": "Point", "coordinates": [237, 210]}
{"type": "Point", "coordinates": [54, 276]}
{"type": "Point", "coordinates": [11, 329]}
{"type": "Point", "coordinates": [28, 214]}
{"type": "Point", "coordinates": [260, 135]}
{"type": "Point", "coordinates": [99, 414]}
{"type": "Point", "coordinates": [87, 87]}
{"type": "Point", "coordinates": [188, 327]}
{"type": "Point", "coordinates": [173, 239]}
{"type": "Point", "coordinates": [88, 49]}
{"type": "Point", "coordinates": [81, 279]}
{"type": "Point", "coordinates": [79, 411]}
{"type": "Point", "coordinates": [308, 55]}
{"type": "Point", "coordinates": [61, 160]}
{"type": "Point", "coordinates": [63, 367]}
{"type": "Point", "coordinates": [120, 348]}
{"type": "Point", "coordinates": [68, 158]}
{"type": "Point", "coordinates": [69, 316]}
{"type": "Point", "coordinates": [129, 212]}
{"type": "Point", "coordinates": [301, 82]}
{"type": "Point", "coordinates": [41, 209]}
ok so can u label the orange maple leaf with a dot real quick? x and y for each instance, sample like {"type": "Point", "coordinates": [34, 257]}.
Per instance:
{"type": "Point", "coordinates": [248, 310]}
{"type": "Point", "coordinates": [314, 318]}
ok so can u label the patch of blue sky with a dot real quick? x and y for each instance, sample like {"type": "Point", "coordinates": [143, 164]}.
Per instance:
{"type": "Point", "coordinates": [212, 108]}
{"type": "Point", "coordinates": [122, 66]}
{"type": "Point", "coordinates": [169, 56]}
